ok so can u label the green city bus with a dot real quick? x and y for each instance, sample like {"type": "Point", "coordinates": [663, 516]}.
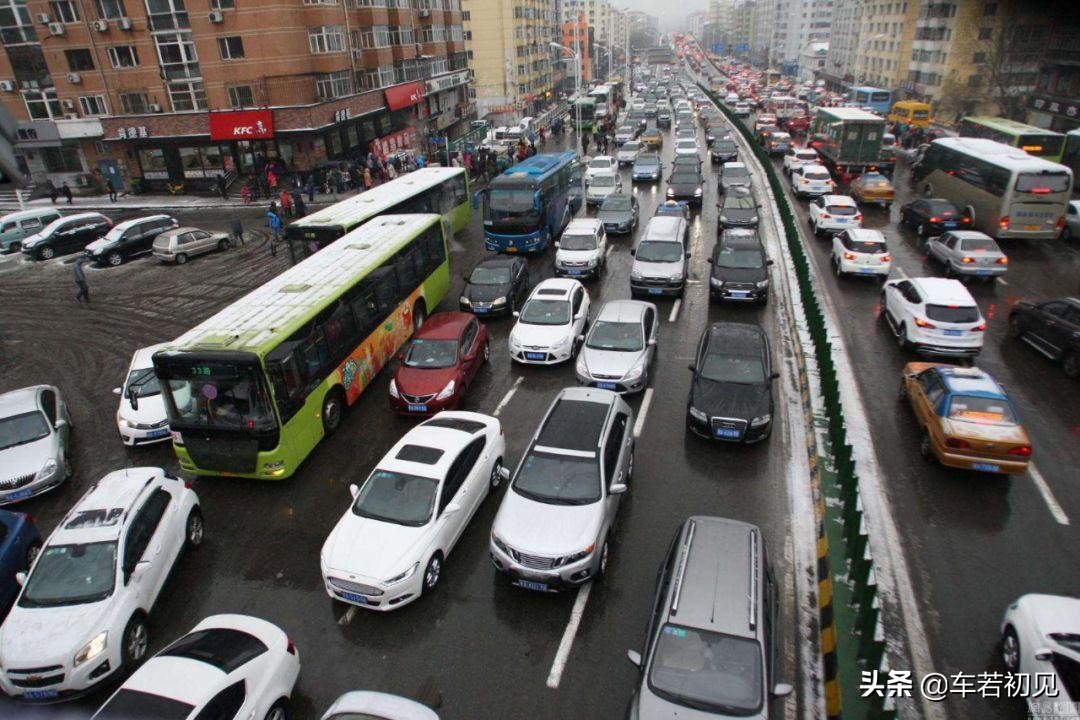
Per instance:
{"type": "Point", "coordinates": [443, 190]}
{"type": "Point", "coordinates": [1036, 141]}
{"type": "Point", "coordinates": [252, 390]}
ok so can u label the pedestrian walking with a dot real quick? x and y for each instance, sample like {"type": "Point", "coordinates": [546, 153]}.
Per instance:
{"type": "Point", "coordinates": [311, 187]}
{"type": "Point", "coordinates": [420, 162]}
{"type": "Point", "coordinates": [271, 181]}
{"type": "Point", "coordinates": [66, 191]}
{"type": "Point", "coordinates": [298, 205]}
{"type": "Point", "coordinates": [111, 188]}
{"type": "Point", "coordinates": [391, 173]}
{"type": "Point", "coordinates": [53, 192]}
{"type": "Point", "coordinates": [286, 203]}
{"type": "Point", "coordinates": [80, 280]}
{"type": "Point", "coordinates": [222, 187]}
{"type": "Point", "coordinates": [585, 144]}
{"type": "Point", "coordinates": [274, 222]}
{"type": "Point", "coordinates": [368, 182]}
{"type": "Point", "coordinates": [237, 229]}
{"type": "Point", "coordinates": [245, 193]}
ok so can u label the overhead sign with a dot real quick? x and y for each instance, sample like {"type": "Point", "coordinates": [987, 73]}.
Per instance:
{"type": "Point", "coordinates": [742, 47]}
{"type": "Point", "coordinates": [404, 95]}
{"type": "Point", "coordinates": [445, 82]}
{"type": "Point", "coordinates": [718, 48]}
{"type": "Point", "coordinates": [242, 125]}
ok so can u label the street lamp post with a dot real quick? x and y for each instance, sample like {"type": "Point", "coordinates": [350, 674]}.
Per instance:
{"type": "Point", "coordinates": [577, 84]}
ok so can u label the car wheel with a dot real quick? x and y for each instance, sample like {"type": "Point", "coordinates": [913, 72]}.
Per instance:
{"type": "Point", "coordinates": [901, 392]}
{"type": "Point", "coordinates": [901, 338]}
{"type": "Point", "coordinates": [496, 474]}
{"type": "Point", "coordinates": [1070, 364]}
{"type": "Point", "coordinates": [333, 410]}
{"type": "Point", "coordinates": [136, 640]}
{"type": "Point", "coordinates": [46, 253]}
{"type": "Point", "coordinates": [181, 259]}
{"type": "Point", "coordinates": [194, 530]}
{"type": "Point", "coordinates": [487, 350]}
{"type": "Point", "coordinates": [604, 556]}
{"type": "Point", "coordinates": [432, 573]}
{"type": "Point", "coordinates": [223, 244]}
{"type": "Point", "coordinates": [921, 230]}
{"type": "Point", "coordinates": [32, 553]}
{"type": "Point", "coordinates": [1016, 326]}
{"type": "Point", "coordinates": [926, 448]}
{"type": "Point", "coordinates": [1010, 650]}
{"type": "Point", "coordinates": [1066, 234]}
{"type": "Point", "coordinates": [419, 315]}
{"type": "Point", "coordinates": [837, 265]}
{"type": "Point", "coordinates": [114, 258]}
{"type": "Point", "coordinates": [278, 711]}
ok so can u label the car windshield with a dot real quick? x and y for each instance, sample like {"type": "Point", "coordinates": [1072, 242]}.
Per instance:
{"type": "Point", "coordinates": [685, 176]}
{"type": "Point", "coordinates": [740, 257]}
{"type": "Point", "coordinates": [736, 173]}
{"type": "Point", "coordinates": [1042, 183]}
{"type": "Point", "coordinates": [659, 252]}
{"type": "Point", "coordinates": [626, 130]}
{"type": "Point", "coordinates": [631, 146]}
{"type": "Point", "coordinates": [979, 245]}
{"type": "Point", "coordinates": [725, 146]}
{"type": "Point", "coordinates": [510, 200]}
{"type": "Point", "coordinates": [806, 156]}
{"type": "Point", "coordinates": [647, 160]}
{"type": "Point", "coordinates": [741, 369]}
{"type": "Point", "coordinates": [707, 671]}
{"type": "Point", "coordinates": [874, 179]}
{"type": "Point", "coordinates": [397, 498]}
{"type": "Point", "coordinates": [22, 429]}
{"type": "Point", "coordinates": [145, 382]}
{"type": "Point", "coordinates": [953, 313]}
{"type": "Point", "coordinates": [867, 247]}
{"type": "Point", "coordinates": [138, 705]}
{"type": "Point", "coordinates": [490, 276]}
{"type": "Point", "coordinates": [616, 203]}
{"type": "Point", "coordinates": [578, 242]}
{"type": "Point", "coordinates": [545, 312]}
{"type": "Point", "coordinates": [620, 336]}
{"type": "Point", "coordinates": [215, 393]}
{"type": "Point", "coordinates": [816, 174]}
{"type": "Point", "coordinates": [600, 163]}
{"type": "Point", "coordinates": [71, 574]}
{"type": "Point", "coordinates": [558, 479]}
{"type": "Point", "coordinates": [982, 410]}
{"type": "Point", "coordinates": [603, 181]}
{"type": "Point", "coordinates": [431, 354]}
{"type": "Point", "coordinates": [739, 202]}
{"type": "Point", "coordinates": [845, 210]}
{"type": "Point", "coordinates": [942, 208]}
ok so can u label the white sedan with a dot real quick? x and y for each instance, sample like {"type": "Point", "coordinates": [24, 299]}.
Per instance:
{"type": "Point", "coordinates": [141, 417]}
{"type": "Point", "coordinates": [389, 547]}
{"type": "Point", "coordinates": [1039, 639]}
{"type": "Point", "coordinates": [228, 666]}
{"type": "Point", "coordinates": [367, 705]}
{"type": "Point", "coordinates": [600, 163]}
{"type": "Point", "coordinates": [550, 323]}
{"type": "Point", "coordinates": [687, 146]}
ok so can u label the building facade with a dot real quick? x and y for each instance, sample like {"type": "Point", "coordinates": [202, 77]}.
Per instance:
{"type": "Point", "coordinates": [1055, 101]}
{"type": "Point", "coordinates": [886, 35]}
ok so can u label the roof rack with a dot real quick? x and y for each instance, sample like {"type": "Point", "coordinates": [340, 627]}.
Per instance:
{"type": "Point", "coordinates": [753, 597]}
{"type": "Point", "coordinates": [682, 568]}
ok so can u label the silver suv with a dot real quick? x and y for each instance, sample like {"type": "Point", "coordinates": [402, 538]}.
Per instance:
{"type": "Point", "coordinates": [553, 527]}
{"type": "Point", "coordinates": [710, 650]}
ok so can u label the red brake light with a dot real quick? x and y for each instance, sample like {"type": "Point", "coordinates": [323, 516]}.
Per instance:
{"type": "Point", "coordinates": [858, 217]}
{"type": "Point", "coordinates": [849, 256]}
{"type": "Point", "coordinates": [935, 219]}
{"type": "Point", "coordinates": [886, 258]}
{"type": "Point", "coordinates": [980, 327]}
{"type": "Point", "coordinates": [1040, 191]}
{"type": "Point", "coordinates": [1003, 260]}
{"type": "Point", "coordinates": [1061, 223]}
{"type": "Point", "coordinates": [1021, 450]}
{"type": "Point", "coordinates": [187, 485]}
{"type": "Point", "coordinates": [957, 444]}
{"type": "Point", "coordinates": [289, 647]}
{"type": "Point", "coordinates": [923, 323]}
{"type": "Point", "coordinates": [825, 216]}
{"type": "Point", "coordinates": [1003, 223]}
{"type": "Point", "coordinates": [966, 260]}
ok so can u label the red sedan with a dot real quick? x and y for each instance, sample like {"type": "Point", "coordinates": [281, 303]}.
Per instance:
{"type": "Point", "coordinates": [437, 367]}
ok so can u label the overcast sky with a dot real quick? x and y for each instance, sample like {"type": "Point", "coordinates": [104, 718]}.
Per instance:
{"type": "Point", "coordinates": [669, 19]}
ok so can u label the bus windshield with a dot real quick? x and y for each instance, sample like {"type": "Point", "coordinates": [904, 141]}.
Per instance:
{"type": "Point", "coordinates": [1044, 183]}
{"type": "Point", "coordinates": [214, 393]}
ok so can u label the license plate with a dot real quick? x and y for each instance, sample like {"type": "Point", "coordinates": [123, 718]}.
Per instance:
{"type": "Point", "coordinates": [739, 293]}
{"type": "Point", "coordinates": [531, 585]}
{"type": "Point", "coordinates": [511, 249]}
{"type": "Point", "coordinates": [842, 221]}
{"type": "Point", "coordinates": [20, 494]}
{"type": "Point", "coordinates": [157, 433]}
{"type": "Point", "coordinates": [985, 467]}
{"type": "Point", "coordinates": [948, 224]}
{"type": "Point", "coordinates": [40, 694]}
{"type": "Point", "coordinates": [417, 408]}
{"type": "Point", "coordinates": [654, 291]}
{"type": "Point", "coordinates": [1032, 228]}
{"type": "Point", "coordinates": [605, 385]}
{"type": "Point", "coordinates": [534, 356]}
{"type": "Point", "coordinates": [480, 310]}
{"type": "Point", "coordinates": [726, 433]}
{"type": "Point", "coordinates": [982, 272]}
{"type": "Point", "coordinates": [866, 270]}
{"type": "Point", "coordinates": [573, 272]}
{"type": "Point", "coordinates": [954, 333]}
{"type": "Point", "coordinates": [354, 598]}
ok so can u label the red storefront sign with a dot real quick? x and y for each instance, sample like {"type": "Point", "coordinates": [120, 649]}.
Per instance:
{"type": "Point", "coordinates": [401, 96]}
{"type": "Point", "coordinates": [242, 125]}
{"type": "Point", "coordinates": [389, 144]}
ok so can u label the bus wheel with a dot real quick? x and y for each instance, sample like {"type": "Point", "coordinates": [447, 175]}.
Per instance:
{"type": "Point", "coordinates": [419, 315]}
{"type": "Point", "coordinates": [333, 410]}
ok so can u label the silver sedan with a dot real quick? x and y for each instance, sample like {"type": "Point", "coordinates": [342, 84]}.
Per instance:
{"type": "Point", "coordinates": [34, 431]}
{"type": "Point", "coordinates": [620, 347]}
{"type": "Point", "coordinates": [967, 253]}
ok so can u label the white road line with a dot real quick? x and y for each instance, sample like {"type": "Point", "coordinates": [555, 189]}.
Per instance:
{"type": "Point", "coordinates": [1047, 496]}
{"type": "Point", "coordinates": [675, 310]}
{"type": "Point", "coordinates": [639, 424]}
{"type": "Point", "coordinates": [567, 642]}
{"type": "Point", "coordinates": [348, 616]}
{"type": "Point", "coordinates": [609, 249]}
{"type": "Point", "coordinates": [509, 394]}
{"type": "Point", "coordinates": [1002, 281]}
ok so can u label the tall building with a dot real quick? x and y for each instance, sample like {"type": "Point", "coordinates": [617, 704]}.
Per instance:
{"type": "Point", "coordinates": [839, 71]}
{"type": "Point", "coordinates": [511, 53]}
{"type": "Point", "coordinates": [887, 32]}
{"type": "Point", "coordinates": [576, 36]}
{"type": "Point", "coordinates": [151, 92]}
{"type": "Point", "coordinates": [1055, 101]}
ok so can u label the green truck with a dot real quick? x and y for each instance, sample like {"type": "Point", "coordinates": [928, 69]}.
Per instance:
{"type": "Point", "coordinates": [848, 141]}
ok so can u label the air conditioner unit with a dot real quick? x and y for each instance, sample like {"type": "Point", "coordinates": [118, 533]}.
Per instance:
{"type": "Point", "coordinates": [424, 12]}
{"type": "Point", "coordinates": [101, 25]}
{"type": "Point", "coordinates": [7, 85]}
{"type": "Point", "coordinates": [123, 23]}
{"type": "Point", "coordinates": [216, 16]}
{"type": "Point", "coordinates": [74, 78]}
{"type": "Point", "coordinates": [154, 108]}
{"type": "Point", "coordinates": [56, 28]}
{"type": "Point", "coordinates": [419, 49]}
{"type": "Point", "coordinates": [43, 18]}
{"type": "Point", "coordinates": [69, 104]}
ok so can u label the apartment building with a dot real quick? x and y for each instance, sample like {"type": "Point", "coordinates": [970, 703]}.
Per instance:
{"type": "Point", "coordinates": [578, 37]}
{"type": "Point", "coordinates": [510, 44]}
{"type": "Point", "coordinates": [1055, 101]}
{"type": "Point", "coordinates": [839, 71]}
{"type": "Point", "coordinates": [886, 35]}
{"type": "Point", "coordinates": [151, 92]}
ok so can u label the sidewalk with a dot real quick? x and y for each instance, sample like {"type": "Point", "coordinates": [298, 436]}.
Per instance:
{"type": "Point", "coordinates": [101, 203]}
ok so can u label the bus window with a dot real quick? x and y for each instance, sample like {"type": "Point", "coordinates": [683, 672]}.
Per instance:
{"type": "Point", "coordinates": [386, 289]}
{"type": "Point", "coordinates": [364, 309]}
{"type": "Point", "coordinates": [405, 268]}
{"type": "Point", "coordinates": [340, 330]}
{"type": "Point", "coordinates": [289, 387]}
{"type": "Point", "coordinates": [1042, 183]}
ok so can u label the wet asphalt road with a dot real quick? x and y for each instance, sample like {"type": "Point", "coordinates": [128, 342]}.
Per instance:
{"type": "Point", "coordinates": [476, 648]}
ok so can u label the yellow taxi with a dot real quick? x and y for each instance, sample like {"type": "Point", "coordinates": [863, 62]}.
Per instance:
{"type": "Point", "coordinates": [967, 420]}
{"type": "Point", "coordinates": [652, 138]}
{"type": "Point", "coordinates": [872, 187]}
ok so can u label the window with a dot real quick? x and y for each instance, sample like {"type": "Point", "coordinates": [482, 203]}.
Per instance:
{"type": "Point", "coordinates": [975, 81]}
{"type": "Point", "coordinates": [79, 59]}
{"type": "Point", "coordinates": [176, 53]}
{"type": "Point", "coordinates": [93, 105]}
{"type": "Point", "coordinates": [612, 446]}
{"type": "Point", "coordinates": [320, 2]}
{"type": "Point", "coordinates": [231, 47]}
{"type": "Point", "coordinates": [187, 96]}
{"type": "Point", "coordinates": [110, 9]}
{"type": "Point", "coordinates": [42, 104]}
{"type": "Point", "coordinates": [134, 103]}
{"type": "Point", "coordinates": [64, 11]}
{"type": "Point", "coordinates": [377, 37]}
{"type": "Point", "coordinates": [990, 9]}
{"type": "Point", "coordinates": [222, 4]}
{"type": "Point", "coordinates": [326, 39]}
{"type": "Point", "coordinates": [241, 96]}
{"type": "Point", "coordinates": [123, 56]}
{"type": "Point", "coordinates": [226, 704]}
{"type": "Point", "coordinates": [167, 14]}
{"type": "Point", "coordinates": [332, 85]}
{"type": "Point", "coordinates": [986, 33]}
{"type": "Point", "coordinates": [979, 58]}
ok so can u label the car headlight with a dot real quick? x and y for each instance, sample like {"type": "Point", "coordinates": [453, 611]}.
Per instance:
{"type": "Point", "coordinates": [697, 192]}
{"type": "Point", "coordinates": [403, 576]}
{"type": "Point", "coordinates": [499, 301]}
{"type": "Point", "coordinates": [393, 389]}
{"type": "Point", "coordinates": [671, 192]}
{"type": "Point", "coordinates": [635, 275]}
{"type": "Point", "coordinates": [513, 342]}
{"type": "Point", "coordinates": [579, 555]}
{"type": "Point", "coordinates": [593, 261]}
{"type": "Point", "coordinates": [676, 277]}
{"type": "Point", "coordinates": [698, 415]}
{"type": "Point", "coordinates": [92, 649]}
{"type": "Point", "coordinates": [761, 420]}
{"type": "Point", "coordinates": [716, 283]}
{"type": "Point", "coordinates": [635, 372]}
{"type": "Point", "coordinates": [561, 344]}
{"type": "Point", "coordinates": [47, 469]}
{"type": "Point", "coordinates": [763, 284]}
{"type": "Point", "coordinates": [446, 391]}
{"type": "Point", "coordinates": [581, 367]}
{"type": "Point", "coordinates": [499, 543]}
{"type": "Point", "coordinates": [723, 218]}
{"type": "Point", "coordinates": [465, 301]}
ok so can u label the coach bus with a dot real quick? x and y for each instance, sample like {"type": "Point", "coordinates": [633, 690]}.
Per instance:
{"type": "Point", "coordinates": [603, 97]}
{"type": "Point", "coordinates": [583, 108]}
{"type": "Point", "coordinates": [443, 190]}
{"type": "Point", "coordinates": [251, 391]}
{"type": "Point", "coordinates": [1007, 193]}
{"type": "Point", "coordinates": [527, 206]}
{"type": "Point", "coordinates": [1070, 157]}
{"type": "Point", "coordinates": [1036, 141]}
{"type": "Point", "coordinates": [877, 99]}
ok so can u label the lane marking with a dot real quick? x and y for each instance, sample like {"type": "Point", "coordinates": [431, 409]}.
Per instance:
{"type": "Point", "coordinates": [1003, 281]}
{"type": "Point", "coordinates": [639, 424]}
{"type": "Point", "coordinates": [675, 310]}
{"type": "Point", "coordinates": [567, 642]}
{"type": "Point", "coordinates": [348, 616]}
{"type": "Point", "coordinates": [1047, 496]}
{"type": "Point", "coordinates": [609, 249]}
{"type": "Point", "coordinates": [509, 394]}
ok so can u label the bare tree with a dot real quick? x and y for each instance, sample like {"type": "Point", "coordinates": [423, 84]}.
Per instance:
{"type": "Point", "coordinates": [1008, 54]}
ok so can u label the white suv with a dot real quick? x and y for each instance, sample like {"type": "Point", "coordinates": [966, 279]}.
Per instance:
{"type": "Point", "coordinates": [810, 179]}
{"type": "Point", "coordinates": [934, 316]}
{"type": "Point", "coordinates": [550, 323]}
{"type": "Point", "coordinates": [798, 156]}
{"type": "Point", "coordinates": [831, 214]}
{"type": "Point", "coordinates": [582, 248]}
{"type": "Point", "coordinates": [861, 252]}
{"type": "Point", "coordinates": [82, 613]}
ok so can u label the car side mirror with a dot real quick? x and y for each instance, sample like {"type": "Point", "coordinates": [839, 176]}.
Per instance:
{"type": "Point", "coordinates": [116, 391]}
{"type": "Point", "coordinates": [634, 656]}
{"type": "Point", "coordinates": [633, 251]}
{"type": "Point", "coordinates": [781, 689]}
{"type": "Point", "coordinates": [557, 243]}
{"type": "Point", "coordinates": [581, 337]}
{"type": "Point", "coordinates": [617, 488]}
{"type": "Point", "coordinates": [768, 262]}
{"type": "Point", "coordinates": [652, 341]}
{"type": "Point", "coordinates": [20, 577]}
{"type": "Point", "coordinates": [774, 376]}
{"type": "Point", "coordinates": [1044, 654]}
{"type": "Point", "coordinates": [354, 490]}
{"type": "Point", "coordinates": [516, 314]}
{"type": "Point", "coordinates": [465, 278]}
{"type": "Point", "coordinates": [692, 367]}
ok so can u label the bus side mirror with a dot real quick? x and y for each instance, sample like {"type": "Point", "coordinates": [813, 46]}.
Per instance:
{"type": "Point", "coordinates": [476, 198]}
{"type": "Point", "coordinates": [536, 201]}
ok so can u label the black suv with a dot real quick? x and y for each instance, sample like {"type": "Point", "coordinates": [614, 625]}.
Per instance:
{"type": "Point", "coordinates": [67, 235]}
{"type": "Point", "coordinates": [1052, 328]}
{"type": "Point", "coordinates": [740, 269]}
{"type": "Point", "coordinates": [129, 238]}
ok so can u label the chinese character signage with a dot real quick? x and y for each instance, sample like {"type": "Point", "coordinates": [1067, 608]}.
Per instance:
{"type": "Point", "coordinates": [242, 125]}
{"type": "Point", "coordinates": [402, 96]}
{"type": "Point", "coordinates": [390, 144]}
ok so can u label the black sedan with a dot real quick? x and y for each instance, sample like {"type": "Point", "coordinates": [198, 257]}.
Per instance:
{"type": "Point", "coordinates": [933, 216]}
{"type": "Point", "coordinates": [731, 392]}
{"type": "Point", "coordinates": [619, 214]}
{"type": "Point", "coordinates": [686, 183]}
{"type": "Point", "coordinates": [740, 269]}
{"type": "Point", "coordinates": [1052, 328]}
{"type": "Point", "coordinates": [737, 209]}
{"type": "Point", "coordinates": [724, 150]}
{"type": "Point", "coordinates": [497, 286]}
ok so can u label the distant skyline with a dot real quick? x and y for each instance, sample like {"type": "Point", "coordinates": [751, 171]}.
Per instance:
{"type": "Point", "coordinates": [668, 20]}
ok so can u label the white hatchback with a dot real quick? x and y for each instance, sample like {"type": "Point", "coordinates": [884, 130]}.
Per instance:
{"type": "Point", "coordinates": [548, 326]}
{"type": "Point", "coordinates": [628, 153]}
{"type": "Point", "coordinates": [797, 157]}
{"type": "Point", "coordinates": [600, 163]}
{"type": "Point", "coordinates": [933, 316]}
{"type": "Point", "coordinates": [861, 252]}
{"type": "Point", "coordinates": [810, 179]}
{"type": "Point", "coordinates": [141, 417]}
{"type": "Point", "coordinates": [832, 214]}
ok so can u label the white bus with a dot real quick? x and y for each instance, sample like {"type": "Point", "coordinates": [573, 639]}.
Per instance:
{"type": "Point", "coordinates": [603, 100]}
{"type": "Point", "coordinates": [1008, 193]}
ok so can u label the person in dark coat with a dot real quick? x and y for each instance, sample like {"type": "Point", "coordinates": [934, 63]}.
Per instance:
{"type": "Point", "coordinates": [111, 188]}
{"type": "Point", "coordinates": [237, 229]}
{"type": "Point", "coordinates": [66, 191]}
{"type": "Point", "coordinates": [311, 187]}
{"type": "Point", "coordinates": [80, 280]}
{"type": "Point", "coordinates": [222, 189]}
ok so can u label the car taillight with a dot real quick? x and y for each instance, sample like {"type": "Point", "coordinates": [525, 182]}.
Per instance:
{"type": "Point", "coordinates": [1061, 223]}
{"type": "Point", "coordinates": [289, 647]}
{"type": "Point", "coordinates": [967, 260]}
{"type": "Point", "coordinates": [1003, 260]}
{"type": "Point", "coordinates": [965, 220]}
{"type": "Point", "coordinates": [804, 181]}
{"type": "Point", "coordinates": [1021, 451]}
{"type": "Point", "coordinates": [980, 327]}
{"type": "Point", "coordinates": [849, 256]}
{"type": "Point", "coordinates": [923, 323]}
{"type": "Point", "coordinates": [957, 444]}
{"type": "Point", "coordinates": [27, 518]}
{"type": "Point", "coordinates": [188, 485]}
{"type": "Point", "coordinates": [858, 217]}
{"type": "Point", "coordinates": [824, 216]}
{"type": "Point", "coordinates": [1003, 223]}
{"type": "Point", "coordinates": [935, 219]}
{"type": "Point", "coordinates": [886, 258]}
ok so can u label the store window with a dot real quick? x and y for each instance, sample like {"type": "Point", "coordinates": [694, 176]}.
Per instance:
{"type": "Point", "coordinates": [79, 59]}
{"type": "Point", "coordinates": [62, 159]}
{"type": "Point", "coordinates": [203, 162]}
{"type": "Point", "coordinates": [152, 162]}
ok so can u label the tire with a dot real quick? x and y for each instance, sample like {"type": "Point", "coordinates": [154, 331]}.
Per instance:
{"type": "Point", "coordinates": [1016, 327]}
{"type": "Point", "coordinates": [114, 258]}
{"type": "Point", "coordinates": [496, 475]}
{"type": "Point", "coordinates": [1070, 364]}
{"type": "Point", "coordinates": [46, 253]}
{"type": "Point", "coordinates": [194, 529]}
{"type": "Point", "coordinates": [1010, 650]}
{"type": "Point", "coordinates": [432, 573]}
{"type": "Point", "coordinates": [32, 553]}
{"type": "Point", "coordinates": [278, 711]}
{"type": "Point", "coordinates": [181, 258]}
{"type": "Point", "coordinates": [419, 316]}
{"type": "Point", "coordinates": [223, 244]}
{"type": "Point", "coordinates": [921, 231]}
{"type": "Point", "coordinates": [836, 264]}
{"type": "Point", "coordinates": [135, 642]}
{"type": "Point", "coordinates": [487, 350]}
{"type": "Point", "coordinates": [333, 411]}
{"type": "Point", "coordinates": [926, 448]}
{"type": "Point", "coordinates": [601, 567]}
{"type": "Point", "coordinates": [1066, 234]}
{"type": "Point", "coordinates": [901, 338]}
{"type": "Point", "coordinates": [901, 392]}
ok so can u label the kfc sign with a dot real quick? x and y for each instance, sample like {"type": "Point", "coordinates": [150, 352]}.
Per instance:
{"type": "Point", "coordinates": [404, 95]}
{"type": "Point", "coordinates": [242, 125]}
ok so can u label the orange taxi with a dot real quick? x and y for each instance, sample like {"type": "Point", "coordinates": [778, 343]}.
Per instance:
{"type": "Point", "coordinates": [872, 187]}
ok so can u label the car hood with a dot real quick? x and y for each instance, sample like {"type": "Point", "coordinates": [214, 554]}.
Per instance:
{"type": "Point", "coordinates": [1054, 614]}
{"type": "Point", "coordinates": [657, 269]}
{"type": "Point", "coordinates": [371, 548]}
{"type": "Point", "coordinates": [541, 529]}
{"type": "Point", "coordinates": [601, 191]}
{"type": "Point", "coordinates": [738, 213]}
{"type": "Point", "coordinates": [31, 240]}
{"type": "Point", "coordinates": [485, 293]}
{"type": "Point", "coordinates": [732, 400]}
{"type": "Point", "coordinates": [539, 335]}
{"type": "Point", "coordinates": [576, 255]}
{"type": "Point", "coordinates": [27, 459]}
{"type": "Point", "coordinates": [626, 154]}
{"type": "Point", "coordinates": [688, 186]}
{"type": "Point", "coordinates": [728, 184]}
{"type": "Point", "coordinates": [614, 217]}
{"type": "Point", "coordinates": [653, 707]}
{"type": "Point", "coordinates": [610, 362]}
{"type": "Point", "coordinates": [423, 381]}
{"type": "Point", "coordinates": [739, 275]}
{"type": "Point", "coordinates": [646, 169]}
{"type": "Point", "coordinates": [100, 244]}
{"type": "Point", "coordinates": [39, 637]}
{"type": "Point", "coordinates": [151, 409]}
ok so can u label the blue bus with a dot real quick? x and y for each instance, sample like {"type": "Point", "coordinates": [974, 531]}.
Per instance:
{"type": "Point", "coordinates": [530, 203]}
{"type": "Point", "coordinates": [877, 99]}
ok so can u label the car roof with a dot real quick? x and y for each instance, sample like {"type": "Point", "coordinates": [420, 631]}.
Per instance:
{"type": "Point", "coordinates": [444, 325]}
{"type": "Point", "coordinates": [737, 338]}
{"type": "Point", "coordinates": [450, 441]}
{"type": "Point", "coordinates": [734, 164]}
{"type": "Point", "coordinates": [576, 419]}
{"type": "Point", "coordinates": [606, 158]}
{"type": "Point", "coordinates": [586, 225]}
{"type": "Point", "coordinates": [664, 227]}
{"type": "Point", "coordinates": [566, 285]}
{"type": "Point", "coordinates": [181, 231]}
{"type": "Point", "coordinates": [969, 381]}
{"type": "Point", "coordinates": [23, 214]}
{"type": "Point", "coordinates": [135, 221]}
{"type": "Point", "coordinates": [497, 261]}
{"type": "Point", "coordinates": [82, 216]}
{"type": "Point", "coordinates": [20, 401]}
{"type": "Point", "coordinates": [740, 237]}
{"type": "Point", "coordinates": [866, 235]}
{"type": "Point", "coordinates": [944, 290]}
{"type": "Point", "coordinates": [622, 310]}
{"type": "Point", "coordinates": [99, 515]}
{"type": "Point", "coordinates": [970, 235]}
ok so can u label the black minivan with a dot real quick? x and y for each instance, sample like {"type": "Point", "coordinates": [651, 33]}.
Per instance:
{"type": "Point", "coordinates": [740, 269]}
{"type": "Point", "coordinates": [129, 238]}
{"type": "Point", "coordinates": [67, 235]}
